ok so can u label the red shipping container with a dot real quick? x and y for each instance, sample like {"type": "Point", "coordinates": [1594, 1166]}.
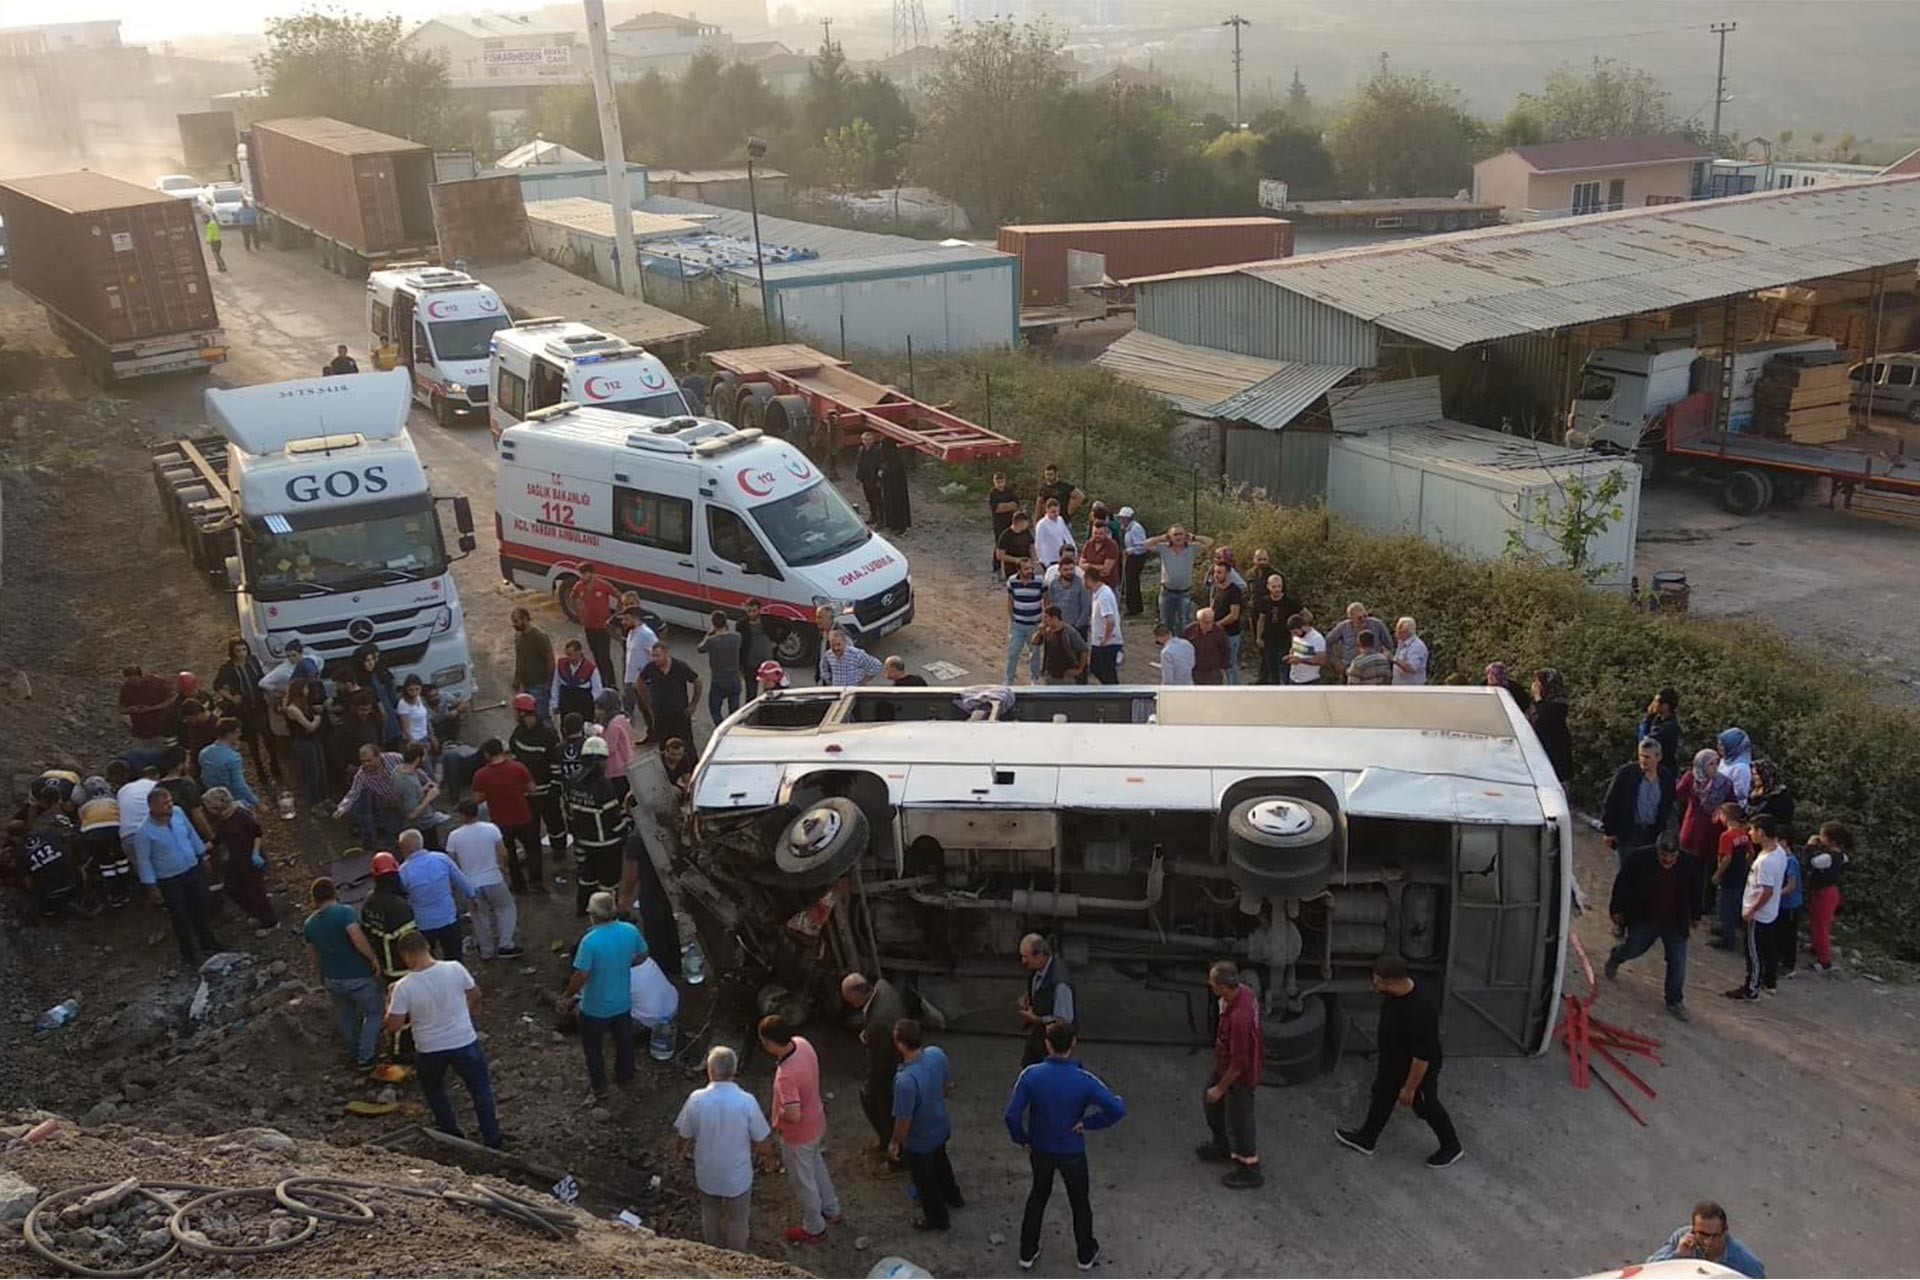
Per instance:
{"type": "Point", "coordinates": [363, 189]}
{"type": "Point", "coordinates": [120, 261]}
{"type": "Point", "coordinates": [1139, 249]}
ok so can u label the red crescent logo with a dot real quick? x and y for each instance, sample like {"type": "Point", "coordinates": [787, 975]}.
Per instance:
{"type": "Point", "coordinates": [437, 310]}
{"type": "Point", "coordinates": [799, 468]}
{"type": "Point", "coordinates": [599, 388]}
{"type": "Point", "coordinates": [755, 482]}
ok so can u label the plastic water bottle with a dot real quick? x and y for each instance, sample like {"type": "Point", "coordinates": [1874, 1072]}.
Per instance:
{"type": "Point", "coordinates": [286, 805]}
{"type": "Point", "coordinates": [693, 963]}
{"type": "Point", "coordinates": [58, 1016]}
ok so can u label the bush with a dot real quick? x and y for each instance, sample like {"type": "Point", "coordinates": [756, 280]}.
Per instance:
{"type": "Point", "coordinates": [1847, 756]}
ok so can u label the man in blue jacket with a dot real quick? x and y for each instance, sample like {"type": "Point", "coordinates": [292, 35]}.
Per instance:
{"type": "Point", "coordinates": [1055, 1102]}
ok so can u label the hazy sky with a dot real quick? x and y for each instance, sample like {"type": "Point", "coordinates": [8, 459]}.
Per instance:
{"type": "Point", "coordinates": [158, 19]}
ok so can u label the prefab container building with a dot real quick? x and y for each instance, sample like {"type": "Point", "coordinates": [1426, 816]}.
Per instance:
{"type": "Point", "coordinates": [362, 191]}
{"type": "Point", "coordinates": [952, 299]}
{"type": "Point", "coordinates": [1138, 249]}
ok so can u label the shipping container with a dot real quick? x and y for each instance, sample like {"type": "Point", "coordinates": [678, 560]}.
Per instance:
{"type": "Point", "coordinates": [1134, 249]}
{"type": "Point", "coordinates": [119, 268]}
{"type": "Point", "coordinates": [480, 220]}
{"type": "Point", "coordinates": [207, 140]}
{"type": "Point", "coordinates": [361, 196]}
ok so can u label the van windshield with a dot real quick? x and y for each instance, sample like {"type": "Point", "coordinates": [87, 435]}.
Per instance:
{"type": "Point", "coordinates": [466, 339]}
{"type": "Point", "coordinates": [290, 556]}
{"type": "Point", "coordinates": [1595, 386]}
{"type": "Point", "coordinates": [668, 404]}
{"type": "Point", "coordinates": [811, 526]}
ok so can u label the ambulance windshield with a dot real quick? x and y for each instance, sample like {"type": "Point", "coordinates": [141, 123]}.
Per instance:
{"type": "Point", "coordinates": [812, 526]}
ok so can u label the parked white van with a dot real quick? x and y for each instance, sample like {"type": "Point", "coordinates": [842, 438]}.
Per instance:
{"type": "Point", "coordinates": [435, 324]}
{"type": "Point", "coordinates": [695, 515]}
{"type": "Point", "coordinates": [541, 363]}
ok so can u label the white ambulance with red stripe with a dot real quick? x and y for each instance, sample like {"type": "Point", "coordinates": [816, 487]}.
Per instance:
{"type": "Point", "coordinates": [541, 363]}
{"type": "Point", "coordinates": [695, 515]}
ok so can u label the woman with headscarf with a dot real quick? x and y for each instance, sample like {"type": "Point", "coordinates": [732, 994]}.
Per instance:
{"type": "Point", "coordinates": [237, 686]}
{"type": "Point", "coordinates": [1497, 677]}
{"type": "Point", "coordinates": [1549, 716]}
{"type": "Point", "coordinates": [1701, 791]}
{"type": "Point", "coordinates": [1736, 762]}
{"type": "Point", "coordinates": [894, 499]}
{"type": "Point", "coordinates": [236, 834]}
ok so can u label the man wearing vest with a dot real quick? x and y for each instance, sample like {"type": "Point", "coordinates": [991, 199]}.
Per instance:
{"type": "Point", "coordinates": [1049, 996]}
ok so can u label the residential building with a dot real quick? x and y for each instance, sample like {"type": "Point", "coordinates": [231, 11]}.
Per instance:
{"type": "Point", "coordinates": [783, 72]}
{"type": "Point", "coordinates": [1568, 179]}
{"type": "Point", "coordinates": [499, 50]}
{"type": "Point", "coordinates": [662, 42]}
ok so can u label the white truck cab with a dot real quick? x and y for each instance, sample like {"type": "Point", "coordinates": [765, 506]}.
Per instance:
{"type": "Point", "coordinates": [695, 515]}
{"type": "Point", "coordinates": [339, 544]}
{"type": "Point", "coordinates": [436, 324]}
{"type": "Point", "coordinates": [1624, 390]}
{"type": "Point", "coordinates": [540, 363]}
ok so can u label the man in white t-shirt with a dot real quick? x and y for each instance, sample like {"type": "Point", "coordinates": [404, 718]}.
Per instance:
{"type": "Point", "coordinates": [722, 1125]}
{"type": "Point", "coordinates": [438, 998]}
{"type": "Point", "coordinates": [1409, 653]}
{"type": "Point", "coordinates": [1760, 908]}
{"type": "Point", "coordinates": [640, 641]}
{"type": "Point", "coordinates": [480, 851]}
{"type": "Point", "coordinates": [1103, 631]}
{"type": "Point", "coordinates": [1051, 533]}
{"type": "Point", "coordinates": [1306, 653]}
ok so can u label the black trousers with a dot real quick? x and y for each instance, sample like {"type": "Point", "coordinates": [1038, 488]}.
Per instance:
{"type": "Point", "coordinates": [1426, 1105]}
{"type": "Point", "coordinates": [876, 1100]}
{"type": "Point", "coordinates": [257, 733]}
{"type": "Point", "coordinates": [446, 941]}
{"type": "Point", "coordinates": [595, 867]}
{"type": "Point", "coordinates": [876, 501]}
{"type": "Point", "coordinates": [523, 855]}
{"type": "Point", "coordinates": [552, 817]}
{"type": "Point", "coordinates": [1130, 567]}
{"type": "Point", "coordinates": [592, 1031]}
{"type": "Point", "coordinates": [932, 1175]}
{"type": "Point", "coordinates": [190, 912]}
{"type": "Point", "coordinates": [1763, 955]}
{"type": "Point", "coordinates": [1786, 937]}
{"type": "Point", "coordinates": [600, 644]}
{"type": "Point", "coordinates": [1073, 1172]}
{"type": "Point", "coordinates": [1231, 1121]}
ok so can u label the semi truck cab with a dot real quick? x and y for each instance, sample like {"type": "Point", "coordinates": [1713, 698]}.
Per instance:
{"type": "Point", "coordinates": [1623, 390]}
{"type": "Point", "coordinates": [336, 538]}
{"type": "Point", "coordinates": [437, 325]}
{"type": "Point", "coordinates": [541, 363]}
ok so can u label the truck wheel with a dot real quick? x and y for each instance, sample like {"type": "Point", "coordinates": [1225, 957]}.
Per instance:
{"type": "Point", "coordinates": [788, 418]}
{"type": "Point", "coordinates": [563, 595]}
{"type": "Point", "coordinates": [443, 412]}
{"type": "Point", "coordinates": [822, 844]}
{"type": "Point", "coordinates": [1297, 1046]}
{"type": "Point", "coordinates": [1280, 846]}
{"type": "Point", "coordinates": [722, 396]}
{"type": "Point", "coordinates": [795, 644]}
{"type": "Point", "coordinates": [1746, 492]}
{"type": "Point", "coordinates": [750, 409]}
{"type": "Point", "coordinates": [1913, 411]}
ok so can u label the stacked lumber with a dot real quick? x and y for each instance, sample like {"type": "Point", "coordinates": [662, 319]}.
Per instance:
{"type": "Point", "coordinates": [1804, 397]}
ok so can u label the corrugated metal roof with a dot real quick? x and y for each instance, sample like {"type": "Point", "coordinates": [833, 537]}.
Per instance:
{"type": "Point", "coordinates": [595, 217]}
{"type": "Point", "coordinates": [1477, 286]}
{"type": "Point", "coordinates": [1158, 224]}
{"type": "Point", "coordinates": [535, 287]}
{"type": "Point", "coordinates": [886, 264]}
{"type": "Point", "coordinates": [1462, 449]}
{"type": "Point", "coordinates": [711, 175]}
{"type": "Point", "coordinates": [338, 135]}
{"type": "Point", "coordinates": [1609, 153]}
{"type": "Point", "coordinates": [1358, 410]}
{"type": "Point", "coordinates": [493, 26]}
{"type": "Point", "coordinates": [1216, 384]}
{"type": "Point", "coordinates": [828, 242]}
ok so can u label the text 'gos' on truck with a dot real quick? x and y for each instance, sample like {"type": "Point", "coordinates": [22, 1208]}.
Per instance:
{"type": "Point", "coordinates": [1148, 831]}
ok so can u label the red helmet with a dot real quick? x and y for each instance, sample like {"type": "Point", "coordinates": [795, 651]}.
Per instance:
{"type": "Point", "coordinates": [188, 684]}
{"type": "Point", "coordinates": [385, 864]}
{"type": "Point", "coordinates": [772, 672]}
{"type": "Point", "coordinates": [523, 703]}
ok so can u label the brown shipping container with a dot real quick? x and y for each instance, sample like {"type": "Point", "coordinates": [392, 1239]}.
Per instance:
{"type": "Point", "coordinates": [364, 189]}
{"type": "Point", "coordinates": [1139, 249]}
{"type": "Point", "coordinates": [480, 220]}
{"type": "Point", "coordinates": [207, 141]}
{"type": "Point", "coordinates": [123, 262]}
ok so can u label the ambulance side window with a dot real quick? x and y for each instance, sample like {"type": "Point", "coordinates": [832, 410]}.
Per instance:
{"type": "Point", "coordinates": [732, 541]}
{"type": "Point", "coordinates": [653, 520]}
{"type": "Point", "coordinates": [511, 394]}
{"type": "Point", "coordinates": [548, 386]}
{"type": "Point", "coordinates": [380, 315]}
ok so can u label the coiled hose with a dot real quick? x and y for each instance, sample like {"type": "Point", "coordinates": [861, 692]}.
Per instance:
{"type": "Point", "coordinates": [317, 1198]}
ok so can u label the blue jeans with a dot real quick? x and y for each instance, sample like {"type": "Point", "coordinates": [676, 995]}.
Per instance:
{"type": "Point", "coordinates": [1641, 935]}
{"type": "Point", "coordinates": [1018, 634]}
{"type": "Point", "coordinates": [470, 1064]}
{"type": "Point", "coordinates": [1176, 608]}
{"type": "Point", "coordinates": [723, 701]}
{"type": "Point", "coordinates": [592, 1030]}
{"type": "Point", "coordinates": [358, 1005]}
{"type": "Point", "coordinates": [1233, 658]}
{"type": "Point", "coordinates": [1727, 908]}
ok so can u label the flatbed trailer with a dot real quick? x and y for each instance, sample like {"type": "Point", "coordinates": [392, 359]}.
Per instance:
{"type": "Point", "coordinates": [801, 394]}
{"type": "Point", "coordinates": [1753, 470]}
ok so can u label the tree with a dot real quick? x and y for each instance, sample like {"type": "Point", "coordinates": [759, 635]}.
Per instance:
{"type": "Point", "coordinates": [877, 100]}
{"type": "Point", "coordinates": [1522, 127]}
{"type": "Point", "coordinates": [1582, 513]}
{"type": "Point", "coordinates": [1608, 100]}
{"type": "Point", "coordinates": [1403, 135]}
{"type": "Point", "coordinates": [1299, 105]}
{"type": "Point", "coordinates": [851, 151]}
{"type": "Point", "coordinates": [1295, 154]}
{"type": "Point", "coordinates": [565, 114]}
{"type": "Point", "coordinates": [356, 69]}
{"type": "Point", "coordinates": [991, 136]}
{"type": "Point", "coordinates": [824, 104]}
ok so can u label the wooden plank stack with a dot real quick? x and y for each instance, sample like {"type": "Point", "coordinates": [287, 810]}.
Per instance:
{"type": "Point", "coordinates": [1803, 397]}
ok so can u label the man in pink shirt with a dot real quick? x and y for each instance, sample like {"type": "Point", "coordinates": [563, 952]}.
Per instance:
{"type": "Point", "coordinates": [799, 1118]}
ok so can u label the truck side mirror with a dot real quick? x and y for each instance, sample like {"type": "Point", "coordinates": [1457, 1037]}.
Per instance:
{"type": "Point", "coordinates": [232, 566]}
{"type": "Point", "coordinates": [463, 518]}
{"type": "Point", "coordinates": [468, 542]}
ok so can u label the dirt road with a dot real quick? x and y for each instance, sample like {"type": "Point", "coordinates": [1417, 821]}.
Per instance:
{"type": "Point", "coordinates": [1801, 1113]}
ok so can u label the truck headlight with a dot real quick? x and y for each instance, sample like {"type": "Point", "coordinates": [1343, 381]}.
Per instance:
{"type": "Point", "coordinates": [442, 622]}
{"type": "Point", "coordinates": [275, 645]}
{"type": "Point", "coordinates": [453, 675]}
{"type": "Point", "coordinates": [456, 391]}
{"type": "Point", "coordinates": [838, 606]}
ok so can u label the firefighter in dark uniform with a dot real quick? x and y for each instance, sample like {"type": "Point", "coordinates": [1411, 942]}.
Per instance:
{"type": "Point", "coordinates": [386, 917]}
{"type": "Point", "coordinates": [50, 853]}
{"type": "Point", "coordinates": [597, 817]}
{"type": "Point", "coordinates": [534, 744]}
{"type": "Point", "coordinates": [1049, 996]}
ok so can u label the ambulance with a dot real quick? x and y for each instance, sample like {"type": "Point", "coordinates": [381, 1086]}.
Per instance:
{"type": "Point", "coordinates": [540, 363]}
{"type": "Point", "coordinates": [695, 515]}
{"type": "Point", "coordinates": [436, 324]}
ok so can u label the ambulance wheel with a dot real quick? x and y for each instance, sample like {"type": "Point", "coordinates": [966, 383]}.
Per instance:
{"type": "Point", "coordinates": [563, 595]}
{"type": "Point", "coordinates": [1280, 846]}
{"type": "Point", "coordinates": [443, 412]}
{"type": "Point", "coordinates": [795, 644]}
{"type": "Point", "coordinates": [822, 844]}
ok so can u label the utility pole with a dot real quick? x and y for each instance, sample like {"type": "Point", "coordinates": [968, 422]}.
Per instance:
{"type": "Point", "coordinates": [1720, 29]}
{"type": "Point", "coordinates": [1236, 22]}
{"type": "Point", "coordinates": [625, 264]}
{"type": "Point", "coordinates": [826, 33]}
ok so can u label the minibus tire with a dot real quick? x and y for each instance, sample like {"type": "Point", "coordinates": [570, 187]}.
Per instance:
{"type": "Point", "coordinates": [562, 595]}
{"type": "Point", "coordinates": [1296, 1046]}
{"type": "Point", "coordinates": [1280, 864]}
{"type": "Point", "coordinates": [832, 854]}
